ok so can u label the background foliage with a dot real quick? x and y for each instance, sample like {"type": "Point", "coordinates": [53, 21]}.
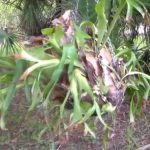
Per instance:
{"type": "Point", "coordinates": [115, 24]}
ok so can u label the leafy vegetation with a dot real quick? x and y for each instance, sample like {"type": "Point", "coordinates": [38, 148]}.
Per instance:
{"type": "Point", "coordinates": [81, 70]}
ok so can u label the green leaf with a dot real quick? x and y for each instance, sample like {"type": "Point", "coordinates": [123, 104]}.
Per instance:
{"type": "Point", "coordinates": [69, 56]}
{"type": "Point", "coordinates": [129, 11]}
{"type": "Point", "coordinates": [104, 88]}
{"type": "Point", "coordinates": [6, 77]}
{"type": "Point", "coordinates": [2, 122]}
{"type": "Point", "coordinates": [51, 63]}
{"type": "Point", "coordinates": [146, 86]}
{"type": "Point", "coordinates": [20, 67]}
{"type": "Point", "coordinates": [88, 114]}
{"type": "Point", "coordinates": [58, 34]}
{"type": "Point", "coordinates": [132, 111]}
{"type": "Point", "coordinates": [47, 31]}
{"type": "Point", "coordinates": [27, 90]}
{"type": "Point", "coordinates": [83, 83]}
{"type": "Point", "coordinates": [137, 5]}
{"type": "Point", "coordinates": [93, 28]}
{"type": "Point", "coordinates": [106, 137]}
{"type": "Point", "coordinates": [137, 73]}
{"type": "Point", "coordinates": [85, 106]}
{"type": "Point", "coordinates": [81, 36]}
{"type": "Point", "coordinates": [87, 129]}
{"type": "Point", "coordinates": [38, 52]}
{"type": "Point", "coordinates": [36, 93]}
{"type": "Point", "coordinates": [7, 62]}
{"type": "Point", "coordinates": [64, 103]}
{"type": "Point", "coordinates": [77, 115]}
{"type": "Point", "coordinates": [115, 18]}
{"type": "Point", "coordinates": [133, 85]}
{"type": "Point", "coordinates": [102, 20]}
{"type": "Point", "coordinates": [55, 39]}
{"type": "Point", "coordinates": [90, 25]}
{"type": "Point", "coordinates": [108, 108]}
{"type": "Point", "coordinates": [98, 111]}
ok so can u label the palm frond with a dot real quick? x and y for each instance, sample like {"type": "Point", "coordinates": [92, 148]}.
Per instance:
{"type": "Point", "coordinates": [8, 43]}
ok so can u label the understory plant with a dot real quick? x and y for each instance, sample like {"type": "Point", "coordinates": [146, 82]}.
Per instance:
{"type": "Point", "coordinates": [77, 70]}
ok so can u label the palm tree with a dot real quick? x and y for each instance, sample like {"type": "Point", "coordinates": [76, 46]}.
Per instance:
{"type": "Point", "coordinates": [35, 14]}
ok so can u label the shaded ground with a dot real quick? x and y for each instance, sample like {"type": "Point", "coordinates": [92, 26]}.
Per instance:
{"type": "Point", "coordinates": [28, 132]}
